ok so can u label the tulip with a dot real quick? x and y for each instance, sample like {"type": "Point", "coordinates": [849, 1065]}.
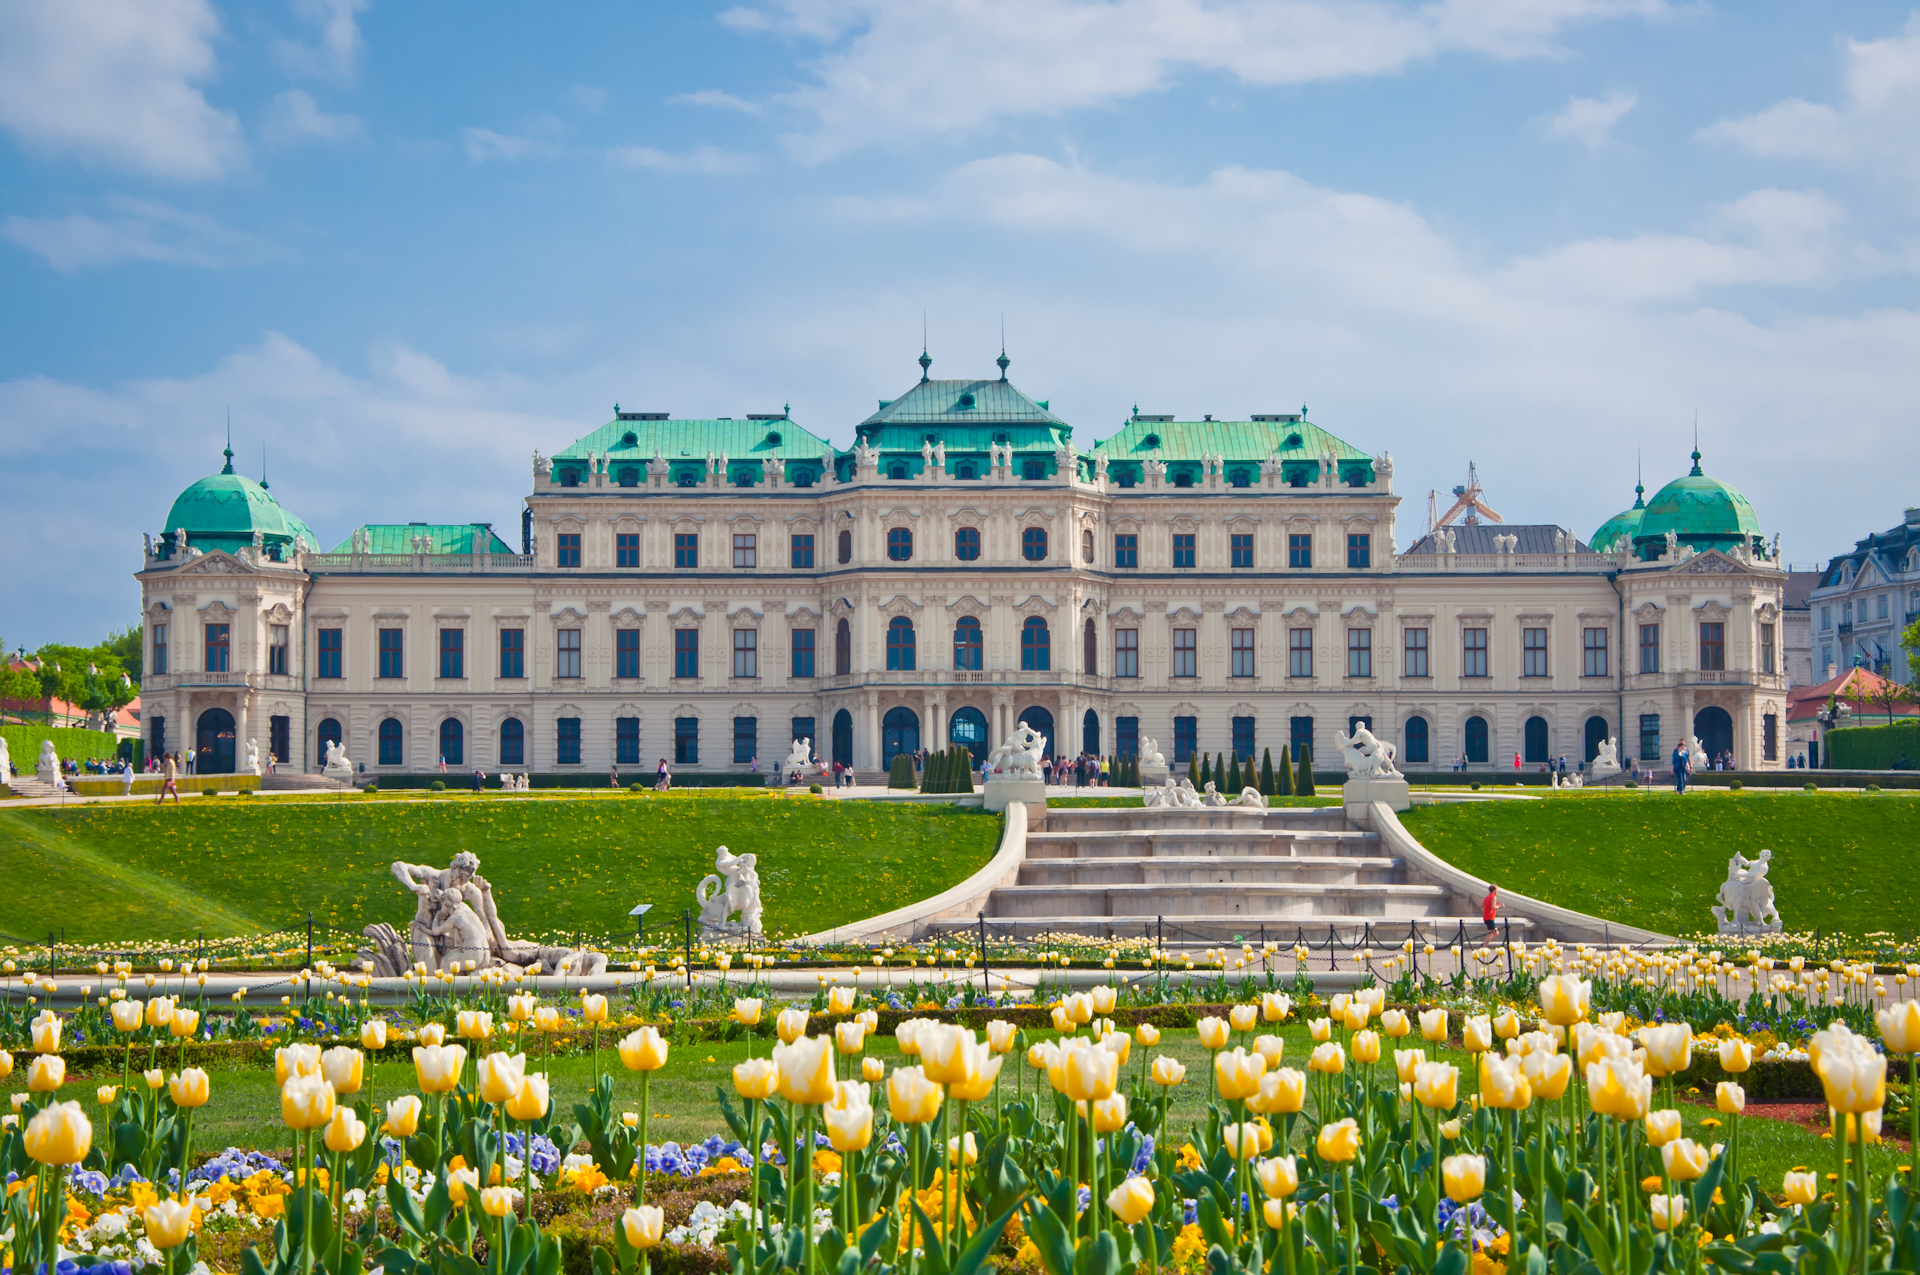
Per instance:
{"type": "Point", "coordinates": [343, 1067]}
{"type": "Point", "coordinates": [1277, 1212]}
{"type": "Point", "coordinates": [436, 1033]}
{"type": "Point", "coordinates": [306, 1102]}
{"type": "Point", "coordinates": [1404, 1062]}
{"type": "Point", "coordinates": [1565, 999]}
{"type": "Point", "coordinates": [496, 1201]}
{"type": "Point", "coordinates": [1167, 1072]}
{"type": "Point", "coordinates": [1669, 1048]}
{"type": "Point", "coordinates": [1242, 1141]}
{"type": "Point", "coordinates": [459, 1182]}
{"type": "Point", "coordinates": [593, 1010]}
{"type": "Point", "coordinates": [191, 1088]}
{"type": "Point", "coordinates": [59, 1133]}
{"type": "Point", "coordinates": [437, 1067]}
{"type": "Point", "coordinates": [840, 1000]}
{"type": "Point", "coordinates": [872, 1070]}
{"type": "Point", "coordinates": [160, 1011]}
{"type": "Point", "coordinates": [848, 1128]}
{"type": "Point", "coordinates": [1275, 1006]}
{"type": "Point", "coordinates": [530, 1101]}
{"type": "Point", "coordinates": [1450, 1129]}
{"type": "Point", "coordinates": [1366, 1047]}
{"type": "Point", "coordinates": [1320, 1030]}
{"type": "Point", "coordinates": [1132, 1200]}
{"type": "Point", "coordinates": [1337, 1007]}
{"type": "Point", "coordinates": [156, 1077]}
{"type": "Point", "coordinates": [1119, 1044]}
{"type": "Point", "coordinates": [1395, 1023]}
{"type": "Point", "coordinates": [1669, 1211]}
{"type": "Point", "coordinates": [1506, 1023]}
{"type": "Point", "coordinates": [792, 1025]}
{"type": "Point", "coordinates": [1685, 1159]}
{"type": "Point", "coordinates": [1476, 1034]}
{"type": "Point", "coordinates": [1736, 1056]}
{"type": "Point", "coordinates": [1279, 1176]}
{"type": "Point", "coordinates": [345, 1131]}
{"type": "Point", "coordinates": [746, 1010]}
{"type": "Point", "coordinates": [1547, 1074]}
{"type": "Point", "coordinates": [1464, 1176]}
{"type": "Point", "coordinates": [1090, 1073]}
{"type": "Point", "coordinates": [169, 1222]}
{"type": "Point", "coordinates": [546, 1018]}
{"type": "Point", "coordinates": [185, 1023]}
{"type": "Point", "coordinates": [127, 1015]}
{"type": "Point", "coordinates": [1800, 1188]}
{"type": "Point", "coordinates": [1729, 1098]}
{"type": "Point", "coordinates": [1213, 1032]}
{"type": "Point", "coordinates": [1270, 1048]}
{"type": "Point", "coordinates": [520, 1008]}
{"type": "Point", "coordinates": [1236, 1073]}
{"type": "Point", "coordinates": [106, 1094]}
{"type": "Point", "coordinates": [1899, 1025]}
{"type": "Point", "coordinates": [1109, 1114]}
{"type": "Point", "coordinates": [1079, 1007]}
{"type": "Point", "coordinates": [943, 1052]}
{"type": "Point", "coordinates": [850, 1037]}
{"type": "Point", "coordinates": [295, 1060]}
{"type": "Point", "coordinates": [373, 1035]}
{"type": "Point", "coordinates": [403, 1116]}
{"type": "Point", "coordinates": [46, 1032]}
{"type": "Point", "coordinates": [1283, 1092]}
{"type": "Point", "coordinates": [806, 1070]}
{"type": "Point", "coordinates": [1357, 1016]}
{"type": "Point", "coordinates": [1617, 1087]}
{"type": "Point", "coordinates": [1328, 1059]}
{"type": "Point", "coordinates": [643, 1226]}
{"type": "Point", "coordinates": [911, 1097]}
{"type": "Point", "coordinates": [1338, 1142]}
{"type": "Point", "coordinates": [1854, 1076]}
{"type": "Point", "coordinates": [1243, 1017]}
{"type": "Point", "coordinates": [1503, 1086]}
{"type": "Point", "coordinates": [46, 1073]}
{"type": "Point", "coordinates": [1103, 999]}
{"type": "Point", "coordinates": [643, 1049]}
{"type": "Point", "coordinates": [1433, 1024]}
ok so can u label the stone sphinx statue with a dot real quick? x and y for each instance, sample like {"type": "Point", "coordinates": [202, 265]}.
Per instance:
{"type": "Point", "coordinates": [733, 888]}
{"type": "Point", "coordinates": [1606, 758]}
{"type": "Point", "coordinates": [801, 757]}
{"type": "Point", "coordinates": [6, 761]}
{"type": "Point", "coordinates": [337, 764]}
{"type": "Point", "coordinates": [1150, 754]}
{"type": "Point", "coordinates": [456, 928]}
{"type": "Point", "coordinates": [48, 768]}
{"type": "Point", "coordinates": [1746, 897]}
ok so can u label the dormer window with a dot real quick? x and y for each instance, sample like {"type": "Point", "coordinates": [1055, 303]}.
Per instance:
{"type": "Point", "coordinates": [966, 402]}
{"type": "Point", "coordinates": [1356, 477]}
{"type": "Point", "coordinates": [964, 470]}
{"type": "Point", "coordinates": [1239, 478]}
{"type": "Point", "coordinates": [1293, 440]}
{"type": "Point", "coordinates": [1034, 470]}
{"type": "Point", "coordinates": [1123, 477]}
{"type": "Point", "coordinates": [629, 439]}
{"type": "Point", "coordinates": [803, 478]}
{"type": "Point", "coordinates": [569, 478]}
{"type": "Point", "coordinates": [1000, 439]}
{"type": "Point", "coordinates": [1183, 479]}
{"type": "Point", "coordinates": [628, 477]}
{"type": "Point", "coordinates": [686, 479]}
{"type": "Point", "coordinates": [773, 438]}
{"type": "Point", "coordinates": [743, 479]}
{"type": "Point", "coordinates": [898, 473]}
{"type": "Point", "coordinates": [1150, 441]}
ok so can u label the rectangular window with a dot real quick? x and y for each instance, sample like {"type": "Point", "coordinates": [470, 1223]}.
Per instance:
{"type": "Point", "coordinates": [566, 740]}
{"type": "Point", "coordinates": [1826, 618]}
{"type": "Point", "coordinates": [567, 654]}
{"type": "Point", "coordinates": [393, 653]}
{"type": "Point", "coordinates": [513, 653]}
{"type": "Point", "coordinates": [1533, 652]}
{"type": "Point", "coordinates": [1299, 735]}
{"type": "Point", "coordinates": [686, 652]}
{"type": "Point", "coordinates": [1766, 650]}
{"type": "Point", "coordinates": [1473, 652]}
{"type": "Point", "coordinates": [1416, 640]}
{"type": "Point", "coordinates": [1299, 652]}
{"type": "Point", "coordinates": [1126, 736]}
{"type": "Point", "coordinates": [1243, 739]}
{"type": "Point", "coordinates": [686, 741]}
{"type": "Point", "coordinates": [1300, 551]}
{"type": "Point", "coordinates": [1649, 648]}
{"type": "Point", "coordinates": [1770, 737]}
{"type": "Point", "coordinates": [1126, 652]}
{"type": "Point", "coordinates": [277, 649]}
{"type": "Point", "coordinates": [626, 741]}
{"type": "Point", "coordinates": [159, 663]}
{"type": "Point", "coordinates": [1881, 603]}
{"type": "Point", "coordinates": [1593, 650]}
{"type": "Point", "coordinates": [802, 654]}
{"type": "Point", "coordinates": [626, 549]}
{"type": "Point", "coordinates": [1359, 550]}
{"type": "Point", "coordinates": [1650, 737]}
{"type": "Point", "coordinates": [746, 737]}
{"type": "Point", "coordinates": [1183, 549]}
{"type": "Point", "coordinates": [1241, 550]}
{"type": "Point", "coordinates": [686, 550]}
{"type": "Point", "coordinates": [626, 653]}
{"type": "Point", "coordinates": [746, 552]}
{"type": "Point", "coordinates": [453, 652]}
{"type": "Point", "coordinates": [1126, 550]}
{"type": "Point", "coordinates": [800, 553]}
{"type": "Point", "coordinates": [219, 647]}
{"type": "Point", "coordinates": [1242, 652]}
{"type": "Point", "coordinates": [159, 737]}
{"type": "Point", "coordinates": [568, 544]}
{"type": "Point", "coordinates": [1186, 653]}
{"type": "Point", "coordinates": [746, 653]}
{"type": "Point", "coordinates": [1186, 735]}
{"type": "Point", "coordinates": [1713, 647]}
{"type": "Point", "coordinates": [1359, 652]}
{"type": "Point", "coordinates": [329, 653]}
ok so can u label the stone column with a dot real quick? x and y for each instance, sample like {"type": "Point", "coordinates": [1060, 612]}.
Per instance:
{"type": "Point", "coordinates": [867, 748]}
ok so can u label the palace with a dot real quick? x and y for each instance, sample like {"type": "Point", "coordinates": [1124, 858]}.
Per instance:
{"type": "Point", "coordinates": [708, 590]}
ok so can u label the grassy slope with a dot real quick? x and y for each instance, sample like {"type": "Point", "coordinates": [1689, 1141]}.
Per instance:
{"type": "Point", "coordinates": [1839, 862]}
{"type": "Point", "coordinates": [108, 873]}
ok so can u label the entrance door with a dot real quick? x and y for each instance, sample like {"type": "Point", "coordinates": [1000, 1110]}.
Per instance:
{"type": "Point", "coordinates": [1041, 720]}
{"type": "Point", "coordinates": [843, 738]}
{"type": "Point", "coordinates": [213, 749]}
{"type": "Point", "coordinates": [1536, 740]}
{"type": "Point", "coordinates": [1596, 736]}
{"type": "Point", "coordinates": [1090, 731]}
{"type": "Point", "coordinates": [1715, 728]}
{"type": "Point", "coordinates": [899, 733]}
{"type": "Point", "coordinates": [969, 726]}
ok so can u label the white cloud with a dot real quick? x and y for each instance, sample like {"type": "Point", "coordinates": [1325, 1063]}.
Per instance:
{"type": "Point", "coordinates": [717, 100]}
{"type": "Point", "coordinates": [707, 161]}
{"type": "Point", "coordinates": [138, 230]}
{"type": "Point", "coordinates": [899, 71]}
{"type": "Point", "coordinates": [118, 81]}
{"type": "Point", "coordinates": [485, 144]}
{"type": "Point", "coordinates": [587, 97]}
{"type": "Point", "coordinates": [296, 117]}
{"type": "Point", "coordinates": [336, 45]}
{"type": "Point", "coordinates": [1590, 120]}
{"type": "Point", "coordinates": [1877, 124]}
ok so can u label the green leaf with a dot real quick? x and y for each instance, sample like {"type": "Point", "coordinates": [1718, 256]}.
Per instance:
{"type": "Point", "coordinates": [1049, 1235]}
{"type": "Point", "coordinates": [1097, 1256]}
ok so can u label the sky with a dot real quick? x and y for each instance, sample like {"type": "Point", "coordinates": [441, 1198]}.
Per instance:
{"type": "Point", "coordinates": [404, 246]}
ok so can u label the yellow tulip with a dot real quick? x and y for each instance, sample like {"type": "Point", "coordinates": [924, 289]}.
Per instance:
{"type": "Point", "coordinates": [295, 1060]}
{"type": "Point", "coordinates": [306, 1102]}
{"type": "Point", "coordinates": [806, 1070]}
{"type": "Point", "coordinates": [459, 1182]}
{"type": "Point", "coordinates": [1277, 1212]}
{"type": "Point", "coordinates": [943, 1052]}
{"type": "Point", "coordinates": [1565, 999]}
{"type": "Point", "coordinates": [1338, 1142]}
{"type": "Point", "coordinates": [1328, 1059]}
{"type": "Point", "coordinates": [373, 1034]}
{"type": "Point", "coordinates": [436, 1033]}
{"type": "Point", "coordinates": [520, 1008]}
{"type": "Point", "coordinates": [1242, 1141]}
{"type": "Point", "coordinates": [45, 1032]}
{"type": "Point", "coordinates": [546, 1018]}
{"type": "Point", "coordinates": [1476, 1034]}
{"type": "Point", "coordinates": [1167, 1072]}
{"type": "Point", "coordinates": [345, 1131]}
{"type": "Point", "coordinates": [643, 1049]}
{"type": "Point", "coordinates": [1091, 1073]}
{"type": "Point", "coordinates": [531, 1100]}
{"type": "Point", "coordinates": [746, 1010]}
{"type": "Point", "coordinates": [1899, 1025]}
{"type": "Point", "coordinates": [1283, 1091]}
{"type": "Point", "coordinates": [1503, 1086]}
{"type": "Point", "coordinates": [1855, 1077]}
{"type": "Point", "coordinates": [1736, 1056]}
{"type": "Point", "coordinates": [643, 1226]}
{"type": "Point", "coordinates": [1243, 1017]}
{"type": "Point", "coordinates": [59, 1133]}
{"type": "Point", "coordinates": [155, 1077]}
{"type": "Point", "coordinates": [437, 1067]}
{"type": "Point", "coordinates": [1506, 1023]}
{"type": "Point", "coordinates": [185, 1023]}
{"type": "Point", "coordinates": [1079, 1007]}
{"type": "Point", "coordinates": [872, 1070]}
{"type": "Point", "coordinates": [106, 1094]}
{"type": "Point", "coordinates": [1669, 1211]}
{"type": "Point", "coordinates": [1685, 1159]}
{"type": "Point", "coordinates": [1547, 1074]}
{"type": "Point", "coordinates": [757, 1078]}
{"type": "Point", "coordinates": [1236, 1073]}
{"type": "Point", "coordinates": [1366, 1047]}
{"type": "Point", "coordinates": [344, 1068]}
{"type": "Point", "coordinates": [1395, 1023]}
{"type": "Point", "coordinates": [1275, 1006]}
{"type": "Point", "coordinates": [911, 1097]}
{"type": "Point", "coordinates": [497, 1201]}
{"type": "Point", "coordinates": [1320, 1030]}
{"type": "Point", "coordinates": [403, 1116]}
{"type": "Point", "coordinates": [1450, 1129]}
{"type": "Point", "coordinates": [1102, 998]}
{"type": "Point", "coordinates": [46, 1073]}
{"type": "Point", "coordinates": [792, 1025]}
{"type": "Point", "coordinates": [127, 1015]}
{"type": "Point", "coordinates": [1279, 1176]}
{"type": "Point", "coordinates": [1729, 1098]}
{"type": "Point", "coordinates": [160, 1011]}
{"type": "Point", "coordinates": [191, 1088]}
{"type": "Point", "coordinates": [1271, 1048]}
{"type": "Point", "coordinates": [1213, 1032]}
{"type": "Point", "coordinates": [169, 1222]}
{"type": "Point", "coordinates": [1131, 1201]}
{"type": "Point", "coordinates": [1119, 1044]}
{"type": "Point", "coordinates": [840, 1000]}
{"type": "Point", "coordinates": [1618, 1087]}
{"type": "Point", "coordinates": [593, 1010]}
{"type": "Point", "coordinates": [1669, 1048]}
{"type": "Point", "coordinates": [1433, 1024]}
{"type": "Point", "coordinates": [1001, 1036]}
{"type": "Point", "coordinates": [1800, 1188]}
{"type": "Point", "coordinates": [850, 1037]}
{"type": "Point", "coordinates": [1464, 1176]}
{"type": "Point", "coordinates": [1404, 1062]}
{"type": "Point", "coordinates": [1357, 1016]}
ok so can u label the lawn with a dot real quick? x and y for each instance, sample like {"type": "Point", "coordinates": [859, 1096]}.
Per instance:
{"type": "Point", "coordinates": [233, 866]}
{"type": "Point", "coordinates": [1654, 860]}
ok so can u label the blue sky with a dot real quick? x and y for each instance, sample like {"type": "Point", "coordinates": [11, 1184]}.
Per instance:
{"type": "Point", "coordinates": [408, 244]}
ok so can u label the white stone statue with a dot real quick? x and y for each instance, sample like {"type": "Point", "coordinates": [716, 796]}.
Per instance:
{"type": "Point", "coordinates": [1367, 756]}
{"type": "Point", "coordinates": [1173, 796]}
{"type": "Point", "coordinates": [1020, 756]}
{"type": "Point", "coordinates": [1697, 755]}
{"type": "Point", "coordinates": [1606, 758]}
{"type": "Point", "coordinates": [1746, 897]}
{"type": "Point", "coordinates": [776, 470]}
{"type": "Point", "coordinates": [1150, 754]}
{"type": "Point", "coordinates": [734, 889]}
{"type": "Point", "coordinates": [1250, 797]}
{"type": "Point", "coordinates": [802, 755]}
{"type": "Point", "coordinates": [337, 766]}
{"type": "Point", "coordinates": [253, 757]}
{"type": "Point", "coordinates": [1673, 544]}
{"type": "Point", "coordinates": [1212, 796]}
{"type": "Point", "coordinates": [49, 765]}
{"type": "Point", "coordinates": [6, 761]}
{"type": "Point", "coordinates": [456, 926]}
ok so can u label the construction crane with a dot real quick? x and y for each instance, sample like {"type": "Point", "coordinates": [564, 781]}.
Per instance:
{"type": "Point", "coordinates": [1467, 500]}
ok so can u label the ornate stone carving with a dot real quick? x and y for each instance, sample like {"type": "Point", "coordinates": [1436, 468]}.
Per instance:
{"type": "Point", "coordinates": [733, 888]}
{"type": "Point", "coordinates": [1367, 756]}
{"type": "Point", "coordinates": [457, 928]}
{"type": "Point", "coordinates": [1746, 897]}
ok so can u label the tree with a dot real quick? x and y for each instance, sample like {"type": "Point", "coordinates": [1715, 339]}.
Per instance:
{"type": "Point", "coordinates": [1304, 785]}
{"type": "Point", "coordinates": [1193, 770]}
{"type": "Point", "coordinates": [1885, 694]}
{"type": "Point", "coordinates": [1910, 639]}
{"type": "Point", "coordinates": [1233, 775]}
{"type": "Point", "coordinates": [1266, 773]}
{"type": "Point", "coordinates": [127, 646]}
{"type": "Point", "coordinates": [1206, 771]}
{"type": "Point", "coordinates": [1284, 784]}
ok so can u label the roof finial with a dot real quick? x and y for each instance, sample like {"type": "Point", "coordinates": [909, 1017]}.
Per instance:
{"type": "Point", "coordinates": [263, 464]}
{"type": "Point", "coordinates": [1696, 444]}
{"type": "Point", "coordinates": [228, 453]}
{"type": "Point", "coordinates": [1639, 484]}
{"type": "Point", "coordinates": [1003, 360]}
{"type": "Point", "coordinates": [925, 361]}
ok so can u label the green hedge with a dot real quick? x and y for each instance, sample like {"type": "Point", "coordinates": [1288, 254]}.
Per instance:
{"type": "Point", "coordinates": [24, 740]}
{"type": "Point", "coordinates": [1873, 747]}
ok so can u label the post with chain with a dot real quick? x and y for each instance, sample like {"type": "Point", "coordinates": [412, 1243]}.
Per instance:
{"type": "Point", "coordinates": [53, 954]}
{"type": "Point", "coordinates": [309, 965]}
{"type": "Point", "coordinates": [686, 919]}
{"type": "Point", "coordinates": [986, 980]}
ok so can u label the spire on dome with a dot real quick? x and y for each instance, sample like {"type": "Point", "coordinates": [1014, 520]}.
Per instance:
{"type": "Point", "coordinates": [228, 453]}
{"type": "Point", "coordinates": [926, 362]}
{"type": "Point", "coordinates": [263, 466]}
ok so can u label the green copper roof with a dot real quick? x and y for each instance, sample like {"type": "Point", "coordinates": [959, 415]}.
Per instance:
{"type": "Point", "coordinates": [635, 437]}
{"type": "Point", "coordinates": [458, 537]}
{"type": "Point", "coordinates": [224, 510]}
{"type": "Point", "coordinates": [1701, 511]}
{"type": "Point", "coordinates": [1617, 532]}
{"type": "Point", "coordinates": [965, 404]}
{"type": "Point", "coordinates": [1295, 441]}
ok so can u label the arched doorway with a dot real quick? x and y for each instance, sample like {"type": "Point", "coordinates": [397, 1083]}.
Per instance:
{"type": "Point", "coordinates": [1596, 736]}
{"type": "Point", "coordinates": [329, 733]}
{"type": "Point", "coordinates": [453, 742]}
{"type": "Point", "coordinates": [213, 747]}
{"type": "Point", "coordinates": [1041, 720]}
{"type": "Point", "coordinates": [1477, 740]}
{"type": "Point", "coordinates": [843, 738]}
{"type": "Point", "coordinates": [1536, 740]}
{"type": "Point", "coordinates": [899, 733]}
{"type": "Point", "coordinates": [1090, 733]}
{"type": "Point", "coordinates": [1414, 750]}
{"type": "Point", "coordinates": [968, 726]}
{"type": "Point", "coordinates": [1711, 724]}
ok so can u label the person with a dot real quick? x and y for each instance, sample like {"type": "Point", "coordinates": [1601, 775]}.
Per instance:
{"type": "Point", "coordinates": [613, 775]}
{"type": "Point", "coordinates": [189, 759]}
{"type": "Point", "coordinates": [167, 786]}
{"type": "Point", "coordinates": [1516, 761]}
{"type": "Point", "coordinates": [443, 763]}
{"type": "Point", "coordinates": [478, 776]}
{"type": "Point", "coordinates": [665, 779]}
{"type": "Point", "coordinates": [1682, 762]}
{"type": "Point", "coordinates": [1489, 910]}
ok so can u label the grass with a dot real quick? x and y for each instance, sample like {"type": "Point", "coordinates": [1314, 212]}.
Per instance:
{"type": "Point", "coordinates": [121, 872]}
{"type": "Point", "coordinates": [1839, 862]}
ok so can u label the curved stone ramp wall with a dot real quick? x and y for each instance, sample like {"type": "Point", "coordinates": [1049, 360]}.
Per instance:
{"type": "Point", "coordinates": [953, 906]}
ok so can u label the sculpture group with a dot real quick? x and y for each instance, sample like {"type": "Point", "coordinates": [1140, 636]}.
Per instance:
{"type": "Point", "coordinates": [1746, 897]}
{"type": "Point", "coordinates": [732, 889]}
{"type": "Point", "coordinates": [1019, 757]}
{"type": "Point", "coordinates": [337, 765]}
{"type": "Point", "coordinates": [456, 929]}
{"type": "Point", "coordinates": [1367, 756]}
{"type": "Point", "coordinates": [1183, 796]}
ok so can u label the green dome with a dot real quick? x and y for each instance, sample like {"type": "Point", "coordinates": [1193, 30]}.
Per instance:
{"type": "Point", "coordinates": [224, 510]}
{"type": "Point", "coordinates": [1617, 532]}
{"type": "Point", "coordinates": [1702, 512]}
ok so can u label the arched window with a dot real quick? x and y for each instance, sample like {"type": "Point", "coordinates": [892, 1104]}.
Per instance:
{"type": "Point", "coordinates": [968, 726]}
{"type": "Point", "coordinates": [843, 737]}
{"type": "Point", "coordinates": [842, 649]}
{"type": "Point", "coordinates": [1033, 471]}
{"type": "Point", "coordinates": [390, 750]}
{"type": "Point", "coordinates": [329, 733]}
{"type": "Point", "coordinates": [1033, 544]}
{"type": "Point", "coordinates": [1090, 661]}
{"type": "Point", "coordinates": [1536, 739]}
{"type": "Point", "coordinates": [899, 733]}
{"type": "Point", "coordinates": [966, 644]}
{"type": "Point", "coordinates": [898, 473]}
{"type": "Point", "coordinates": [1596, 736]}
{"type": "Point", "coordinates": [1415, 749]}
{"type": "Point", "coordinates": [966, 544]}
{"type": "Point", "coordinates": [1477, 740]}
{"type": "Point", "coordinates": [900, 543]}
{"type": "Point", "coordinates": [1183, 479]}
{"type": "Point", "coordinates": [513, 742]}
{"type": "Point", "coordinates": [899, 644]}
{"type": "Point", "coordinates": [1090, 732]}
{"type": "Point", "coordinates": [1240, 478]}
{"type": "Point", "coordinates": [846, 547]}
{"type": "Point", "coordinates": [964, 470]}
{"type": "Point", "coordinates": [453, 742]}
{"type": "Point", "coordinates": [1086, 545]}
{"type": "Point", "coordinates": [1036, 647]}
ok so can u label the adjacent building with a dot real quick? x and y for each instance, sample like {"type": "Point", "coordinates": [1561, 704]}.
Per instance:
{"type": "Point", "coordinates": [1865, 600]}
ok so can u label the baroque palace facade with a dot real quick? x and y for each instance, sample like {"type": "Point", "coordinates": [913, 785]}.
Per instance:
{"type": "Point", "coordinates": [707, 590]}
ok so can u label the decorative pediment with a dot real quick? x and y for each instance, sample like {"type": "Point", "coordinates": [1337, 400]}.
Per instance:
{"type": "Point", "coordinates": [684, 709]}
{"type": "Point", "coordinates": [1183, 523]}
{"type": "Point", "coordinates": [1034, 605]}
{"type": "Point", "coordinates": [217, 563]}
{"type": "Point", "coordinates": [627, 617]}
{"type": "Point", "coordinates": [897, 605]}
{"type": "Point", "coordinates": [686, 616]}
{"type": "Point", "coordinates": [1360, 613]}
{"type": "Point", "coordinates": [840, 607]}
{"type": "Point", "coordinates": [1768, 613]}
{"type": "Point", "coordinates": [279, 613]}
{"type": "Point", "coordinates": [1711, 611]}
{"type": "Point", "coordinates": [567, 522]}
{"type": "Point", "coordinates": [217, 611]}
{"type": "Point", "coordinates": [1125, 615]}
{"type": "Point", "coordinates": [1300, 615]}
{"type": "Point", "coordinates": [744, 617]}
{"type": "Point", "coordinates": [158, 609]}
{"type": "Point", "coordinates": [1183, 614]}
{"type": "Point", "coordinates": [568, 615]}
{"type": "Point", "coordinates": [1648, 612]}
{"type": "Point", "coordinates": [802, 615]}
{"type": "Point", "coordinates": [1711, 563]}
{"type": "Point", "coordinates": [1186, 708]}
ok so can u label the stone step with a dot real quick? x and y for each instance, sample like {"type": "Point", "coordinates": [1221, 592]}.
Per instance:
{"type": "Point", "coordinates": [1132, 818]}
{"type": "Point", "coordinates": [1186, 841]}
{"type": "Point", "coordinates": [27, 786]}
{"type": "Point", "coordinates": [1298, 901]}
{"type": "Point", "coordinates": [1322, 870]}
{"type": "Point", "coordinates": [1191, 931]}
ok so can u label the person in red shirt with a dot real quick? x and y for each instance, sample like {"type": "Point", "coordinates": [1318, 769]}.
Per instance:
{"type": "Point", "coordinates": [1489, 909]}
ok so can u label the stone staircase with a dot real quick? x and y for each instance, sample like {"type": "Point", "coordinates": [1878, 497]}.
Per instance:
{"type": "Point", "coordinates": [1209, 876]}
{"type": "Point", "coordinates": [28, 786]}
